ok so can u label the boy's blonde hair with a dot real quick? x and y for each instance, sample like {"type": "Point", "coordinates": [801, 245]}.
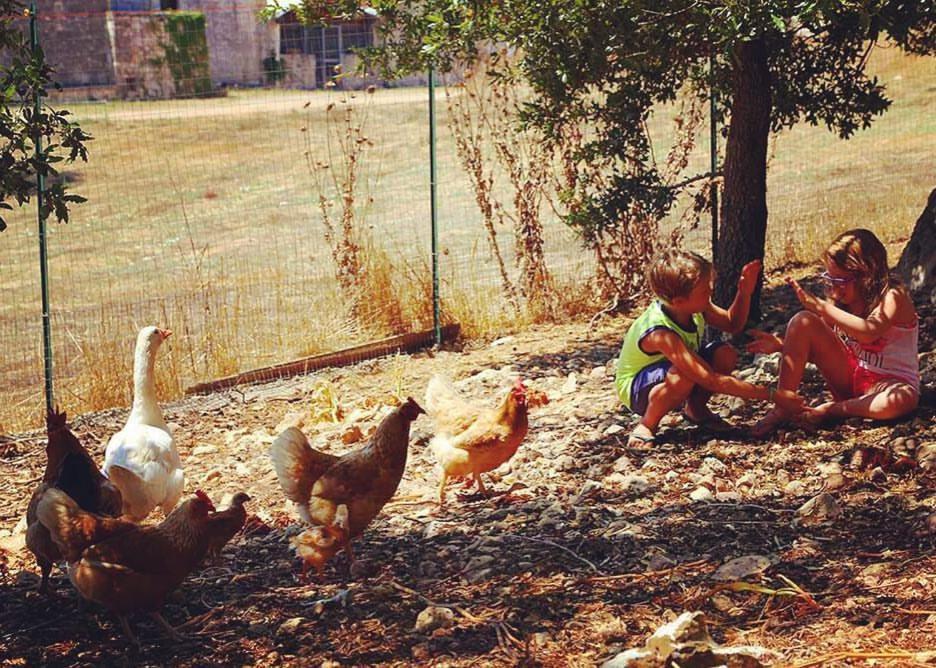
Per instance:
{"type": "Point", "coordinates": [861, 253]}
{"type": "Point", "coordinates": [675, 273]}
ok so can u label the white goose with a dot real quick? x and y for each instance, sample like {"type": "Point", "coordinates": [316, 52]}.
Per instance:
{"type": "Point", "coordinates": [141, 459]}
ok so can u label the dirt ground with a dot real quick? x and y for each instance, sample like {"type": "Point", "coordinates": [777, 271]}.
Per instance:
{"type": "Point", "coordinates": [595, 546]}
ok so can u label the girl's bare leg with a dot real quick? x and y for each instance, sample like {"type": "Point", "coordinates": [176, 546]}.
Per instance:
{"type": "Point", "coordinates": [808, 339]}
{"type": "Point", "coordinates": [885, 401]}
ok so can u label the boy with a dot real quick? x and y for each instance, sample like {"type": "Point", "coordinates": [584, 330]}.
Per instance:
{"type": "Point", "coordinates": [662, 364]}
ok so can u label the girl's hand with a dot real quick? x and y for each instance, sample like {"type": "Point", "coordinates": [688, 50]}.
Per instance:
{"type": "Point", "coordinates": [810, 302]}
{"type": "Point", "coordinates": [748, 279]}
{"type": "Point", "coordinates": [764, 343]}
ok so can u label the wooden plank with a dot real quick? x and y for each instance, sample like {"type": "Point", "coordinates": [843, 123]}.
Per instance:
{"type": "Point", "coordinates": [404, 343]}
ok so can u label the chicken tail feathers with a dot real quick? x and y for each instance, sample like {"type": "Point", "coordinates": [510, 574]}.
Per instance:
{"type": "Point", "coordinates": [72, 528]}
{"type": "Point", "coordinates": [297, 465]}
{"type": "Point", "coordinates": [440, 395]}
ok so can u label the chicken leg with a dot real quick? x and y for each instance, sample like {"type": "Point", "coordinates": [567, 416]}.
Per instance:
{"type": "Point", "coordinates": [167, 627]}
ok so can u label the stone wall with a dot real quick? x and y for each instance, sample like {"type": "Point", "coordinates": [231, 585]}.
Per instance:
{"type": "Point", "coordinates": [75, 38]}
{"type": "Point", "coordinates": [139, 73]}
{"type": "Point", "coordinates": [237, 40]}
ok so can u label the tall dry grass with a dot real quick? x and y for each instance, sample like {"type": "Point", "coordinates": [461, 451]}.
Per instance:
{"type": "Point", "coordinates": [202, 217]}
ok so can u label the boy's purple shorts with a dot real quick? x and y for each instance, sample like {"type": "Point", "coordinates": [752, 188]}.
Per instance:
{"type": "Point", "coordinates": [652, 375]}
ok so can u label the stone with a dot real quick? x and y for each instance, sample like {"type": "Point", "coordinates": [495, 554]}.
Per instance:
{"type": "Point", "coordinates": [432, 618]}
{"type": "Point", "coordinates": [199, 450]}
{"type": "Point", "coordinates": [613, 429]}
{"type": "Point", "coordinates": [820, 508]}
{"type": "Point", "coordinates": [794, 488]}
{"type": "Point", "coordinates": [701, 494]}
{"type": "Point", "coordinates": [290, 625]}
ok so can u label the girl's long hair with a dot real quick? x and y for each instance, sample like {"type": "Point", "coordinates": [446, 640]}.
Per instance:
{"type": "Point", "coordinates": [861, 253]}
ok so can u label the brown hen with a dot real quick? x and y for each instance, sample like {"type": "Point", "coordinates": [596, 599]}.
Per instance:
{"type": "Point", "coordinates": [127, 567]}
{"type": "Point", "coordinates": [341, 495]}
{"type": "Point", "coordinates": [69, 468]}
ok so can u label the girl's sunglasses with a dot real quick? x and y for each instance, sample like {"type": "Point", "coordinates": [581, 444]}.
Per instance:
{"type": "Point", "coordinates": [836, 281]}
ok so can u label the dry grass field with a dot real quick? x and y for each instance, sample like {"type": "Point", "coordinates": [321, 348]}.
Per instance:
{"type": "Point", "coordinates": [202, 216]}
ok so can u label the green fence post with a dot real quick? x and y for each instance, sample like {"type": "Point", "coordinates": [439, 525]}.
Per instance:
{"type": "Point", "coordinates": [436, 319]}
{"type": "Point", "coordinates": [713, 145]}
{"type": "Point", "coordinates": [40, 192]}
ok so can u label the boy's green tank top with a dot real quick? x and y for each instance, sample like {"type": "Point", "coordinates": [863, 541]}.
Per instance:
{"type": "Point", "coordinates": [632, 359]}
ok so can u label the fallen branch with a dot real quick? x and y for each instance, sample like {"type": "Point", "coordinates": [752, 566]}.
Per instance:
{"type": "Point", "coordinates": [428, 601]}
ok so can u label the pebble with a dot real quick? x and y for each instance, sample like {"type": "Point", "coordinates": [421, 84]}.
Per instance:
{"type": "Point", "coordinates": [701, 494]}
{"type": "Point", "coordinates": [432, 618]}
{"type": "Point", "coordinates": [204, 449]}
{"type": "Point", "coordinates": [794, 488]}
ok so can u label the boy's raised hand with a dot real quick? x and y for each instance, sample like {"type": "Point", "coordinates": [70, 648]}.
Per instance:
{"type": "Point", "coordinates": [810, 302]}
{"type": "Point", "coordinates": [763, 342]}
{"type": "Point", "coordinates": [748, 279]}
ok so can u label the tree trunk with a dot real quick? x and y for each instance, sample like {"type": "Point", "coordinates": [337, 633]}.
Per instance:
{"type": "Point", "coordinates": [917, 266]}
{"type": "Point", "coordinates": [744, 200]}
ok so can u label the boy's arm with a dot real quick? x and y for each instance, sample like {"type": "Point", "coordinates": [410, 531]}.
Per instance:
{"type": "Point", "coordinates": [693, 367]}
{"type": "Point", "coordinates": [863, 330]}
{"type": "Point", "coordinates": [734, 319]}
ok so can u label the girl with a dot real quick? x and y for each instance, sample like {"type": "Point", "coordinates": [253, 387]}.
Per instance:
{"type": "Point", "coordinates": [863, 338]}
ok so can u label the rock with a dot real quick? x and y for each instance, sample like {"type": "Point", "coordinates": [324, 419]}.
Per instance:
{"type": "Point", "coordinates": [926, 457]}
{"type": "Point", "coordinates": [820, 508]}
{"type": "Point", "coordinates": [613, 429]}
{"type": "Point", "coordinates": [212, 475]}
{"type": "Point", "coordinates": [741, 567]}
{"type": "Point", "coordinates": [432, 618]}
{"type": "Point", "coordinates": [834, 481]}
{"type": "Point", "coordinates": [598, 373]}
{"type": "Point", "coordinates": [290, 625]}
{"type": "Point", "coordinates": [701, 494]}
{"type": "Point", "coordinates": [794, 488]}
{"type": "Point", "coordinates": [623, 464]}
{"type": "Point", "coordinates": [565, 463]}
{"type": "Point", "coordinates": [587, 489]}
{"type": "Point", "coordinates": [199, 450]}
{"type": "Point", "coordinates": [713, 464]}
{"type": "Point", "coordinates": [504, 340]}
{"type": "Point", "coordinates": [878, 474]}
{"type": "Point", "coordinates": [570, 385]}
{"type": "Point", "coordinates": [242, 470]}
{"type": "Point", "coordinates": [747, 480]}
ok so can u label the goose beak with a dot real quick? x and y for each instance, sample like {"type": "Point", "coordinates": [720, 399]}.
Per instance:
{"type": "Point", "coordinates": [165, 333]}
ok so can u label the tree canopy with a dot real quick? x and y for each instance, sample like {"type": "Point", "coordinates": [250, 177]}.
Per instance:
{"type": "Point", "coordinates": [769, 64]}
{"type": "Point", "coordinates": [24, 74]}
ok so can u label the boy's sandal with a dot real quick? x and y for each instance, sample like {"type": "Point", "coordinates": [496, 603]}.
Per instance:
{"type": "Point", "coordinates": [640, 441]}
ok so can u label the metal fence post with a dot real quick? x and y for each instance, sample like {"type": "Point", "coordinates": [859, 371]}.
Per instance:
{"type": "Point", "coordinates": [40, 192]}
{"type": "Point", "coordinates": [713, 146]}
{"type": "Point", "coordinates": [436, 320]}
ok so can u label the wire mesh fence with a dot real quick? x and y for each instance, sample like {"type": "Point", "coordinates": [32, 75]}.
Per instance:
{"type": "Point", "coordinates": [242, 179]}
